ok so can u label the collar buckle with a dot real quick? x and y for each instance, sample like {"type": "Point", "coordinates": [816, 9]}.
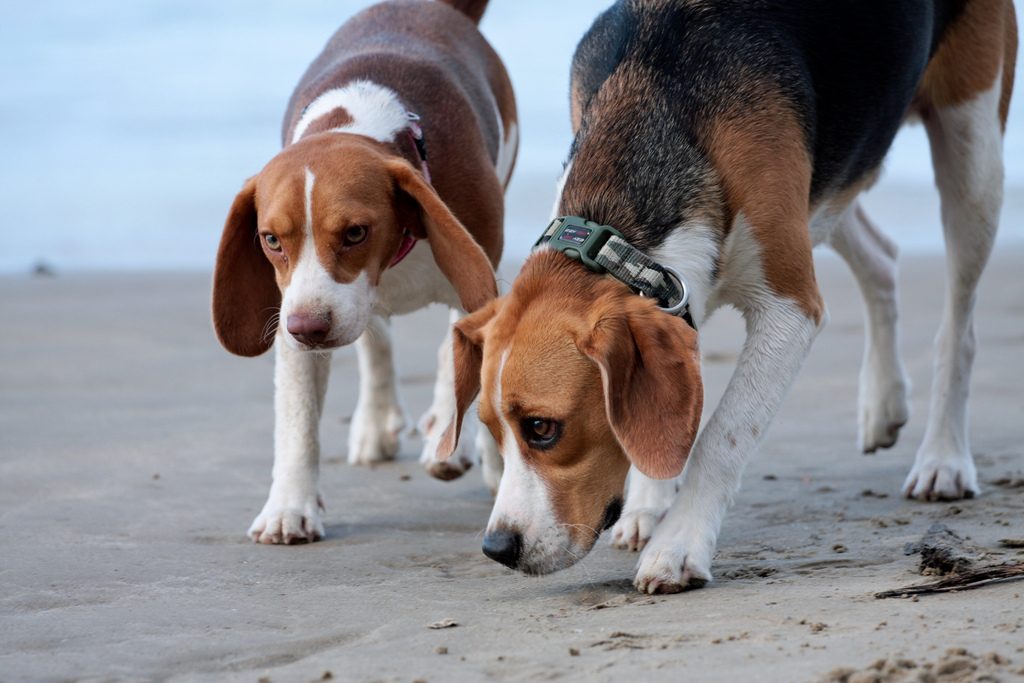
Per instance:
{"type": "Point", "coordinates": [579, 239]}
{"type": "Point", "coordinates": [604, 250]}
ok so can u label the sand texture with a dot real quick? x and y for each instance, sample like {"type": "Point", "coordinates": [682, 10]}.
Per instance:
{"type": "Point", "coordinates": [134, 452]}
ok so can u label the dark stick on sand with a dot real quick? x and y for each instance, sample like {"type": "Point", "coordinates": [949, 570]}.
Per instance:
{"type": "Point", "coordinates": [973, 578]}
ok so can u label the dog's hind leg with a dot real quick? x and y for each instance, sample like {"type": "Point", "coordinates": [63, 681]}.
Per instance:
{"type": "Point", "coordinates": [378, 420]}
{"type": "Point", "coordinates": [884, 385]}
{"type": "Point", "coordinates": [967, 153]}
{"type": "Point", "coordinates": [433, 422]}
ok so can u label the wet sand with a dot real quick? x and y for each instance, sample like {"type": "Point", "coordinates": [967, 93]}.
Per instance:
{"type": "Point", "coordinates": [135, 452]}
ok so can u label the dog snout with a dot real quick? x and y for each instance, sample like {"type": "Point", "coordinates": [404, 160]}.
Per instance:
{"type": "Point", "coordinates": [310, 330]}
{"type": "Point", "coordinates": [504, 546]}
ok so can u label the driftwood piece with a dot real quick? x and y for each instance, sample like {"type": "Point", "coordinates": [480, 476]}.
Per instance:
{"type": "Point", "coordinates": [943, 551]}
{"type": "Point", "coordinates": [972, 578]}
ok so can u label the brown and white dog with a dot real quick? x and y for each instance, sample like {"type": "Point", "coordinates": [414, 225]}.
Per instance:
{"type": "Point", "coordinates": [324, 239]}
{"type": "Point", "coordinates": [726, 138]}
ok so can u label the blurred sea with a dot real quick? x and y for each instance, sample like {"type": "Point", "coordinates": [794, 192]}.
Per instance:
{"type": "Point", "coordinates": [127, 127]}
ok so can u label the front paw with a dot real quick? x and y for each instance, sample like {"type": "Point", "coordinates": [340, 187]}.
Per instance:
{"type": "Point", "coordinates": [375, 435]}
{"type": "Point", "coordinates": [634, 529]}
{"type": "Point", "coordinates": [939, 477]}
{"type": "Point", "coordinates": [288, 519]}
{"type": "Point", "coordinates": [673, 566]}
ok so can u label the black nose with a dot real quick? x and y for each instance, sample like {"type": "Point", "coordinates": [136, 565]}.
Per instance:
{"type": "Point", "coordinates": [309, 329]}
{"type": "Point", "coordinates": [504, 546]}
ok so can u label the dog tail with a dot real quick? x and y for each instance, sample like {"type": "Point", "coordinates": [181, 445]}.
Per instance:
{"type": "Point", "coordinates": [474, 9]}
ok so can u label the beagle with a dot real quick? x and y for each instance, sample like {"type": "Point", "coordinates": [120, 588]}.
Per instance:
{"type": "Point", "coordinates": [716, 142]}
{"type": "Point", "coordinates": [322, 246]}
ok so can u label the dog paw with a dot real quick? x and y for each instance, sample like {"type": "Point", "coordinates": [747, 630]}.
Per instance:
{"type": "Point", "coordinates": [634, 529]}
{"type": "Point", "coordinates": [446, 470]}
{"type": "Point", "coordinates": [457, 464]}
{"type": "Point", "coordinates": [375, 435]}
{"type": "Point", "coordinates": [937, 477]}
{"type": "Point", "coordinates": [673, 566]}
{"type": "Point", "coordinates": [884, 410]}
{"type": "Point", "coordinates": [289, 520]}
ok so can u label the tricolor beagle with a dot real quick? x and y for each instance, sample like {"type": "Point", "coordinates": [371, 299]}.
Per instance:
{"type": "Point", "coordinates": [723, 139]}
{"type": "Point", "coordinates": [321, 247]}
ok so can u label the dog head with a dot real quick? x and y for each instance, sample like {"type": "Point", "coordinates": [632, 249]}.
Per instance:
{"type": "Point", "coordinates": [307, 241]}
{"type": "Point", "coordinates": [578, 378]}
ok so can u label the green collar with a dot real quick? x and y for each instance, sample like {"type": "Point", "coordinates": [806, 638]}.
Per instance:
{"type": "Point", "coordinates": [603, 249]}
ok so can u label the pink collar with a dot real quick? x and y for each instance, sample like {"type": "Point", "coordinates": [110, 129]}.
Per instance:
{"type": "Point", "coordinates": [408, 242]}
{"type": "Point", "coordinates": [415, 134]}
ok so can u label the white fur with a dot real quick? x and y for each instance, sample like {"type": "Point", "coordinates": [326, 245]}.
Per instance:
{"type": "Point", "coordinates": [523, 502]}
{"type": "Point", "coordinates": [646, 502]}
{"type": "Point", "coordinates": [413, 284]}
{"type": "Point", "coordinates": [442, 410]}
{"type": "Point", "coordinates": [313, 291]}
{"type": "Point", "coordinates": [358, 312]}
{"type": "Point", "coordinates": [441, 414]}
{"type": "Point", "coordinates": [779, 336]}
{"type": "Point", "coordinates": [692, 251]}
{"type": "Point", "coordinates": [293, 508]}
{"type": "Point", "coordinates": [883, 407]}
{"type": "Point", "coordinates": [967, 153]}
{"type": "Point", "coordinates": [490, 458]}
{"type": "Point", "coordinates": [378, 420]}
{"type": "Point", "coordinates": [375, 110]}
{"type": "Point", "coordinates": [559, 188]}
{"type": "Point", "coordinates": [507, 152]}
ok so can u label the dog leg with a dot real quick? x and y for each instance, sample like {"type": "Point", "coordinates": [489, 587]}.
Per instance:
{"type": "Point", "coordinates": [293, 511]}
{"type": "Point", "coordinates": [646, 502]}
{"type": "Point", "coordinates": [884, 385]}
{"type": "Point", "coordinates": [434, 421]}
{"type": "Point", "coordinates": [378, 420]}
{"type": "Point", "coordinates": [966, 143]}
{"type": "Point", "coordinates": [779, 337]}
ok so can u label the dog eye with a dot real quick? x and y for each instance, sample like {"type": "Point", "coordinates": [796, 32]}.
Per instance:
{"type": "Point", "coordinates": [355, 235]}
{"type": "Point", "coordinates": [273, 243]}
{"type": "Point", "coordinates": [540, 432]}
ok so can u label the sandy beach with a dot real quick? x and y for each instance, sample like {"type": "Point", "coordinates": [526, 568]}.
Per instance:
{"type": "Point", "coordinates": [136, 452]}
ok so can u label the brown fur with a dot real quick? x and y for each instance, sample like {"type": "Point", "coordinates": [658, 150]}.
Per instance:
{"type": "Point", "coordinates": [1009, 62]}
{"type": "Point", "coordinates": [474, 9]}
{"type": "Point", "coordinates": [558, 328]}
{"type": "Point", "coordinates": [766, 174]}
{"type": "Point", "coordinates": [980, 44]}
{"type": "Point", "coordinates": [243, 274]}
{"type": "Point", "coordinates": [359, 182]}
{"type": "Point", "coordinates": [650, 369]}
{"type": "Point", "coordinates": [443, 70]}
{"type": "Point", "coordinates": [456, 107]}
{"type": "Point", "coordinates": [336, 118]}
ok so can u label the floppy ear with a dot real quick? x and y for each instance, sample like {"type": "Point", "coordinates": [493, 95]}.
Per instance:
{"type": "Point", "coordinates": [650, 368]}
{"type": "Point", "coordinates": [468, 353]}
{"type": "Point", "coordinates": [245, 293]}
{"type": "Point", "coordinates": [457, 254]}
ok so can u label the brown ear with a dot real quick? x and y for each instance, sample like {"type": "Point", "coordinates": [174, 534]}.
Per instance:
{"type": "Point", "coordinates": [457, 254]}
{"type": "Point", "coordinates": [468, 352]}
{"type": "Point", "coordinates": [246, 298]}
{"type": "Point", "coordinates": [650, 368]}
